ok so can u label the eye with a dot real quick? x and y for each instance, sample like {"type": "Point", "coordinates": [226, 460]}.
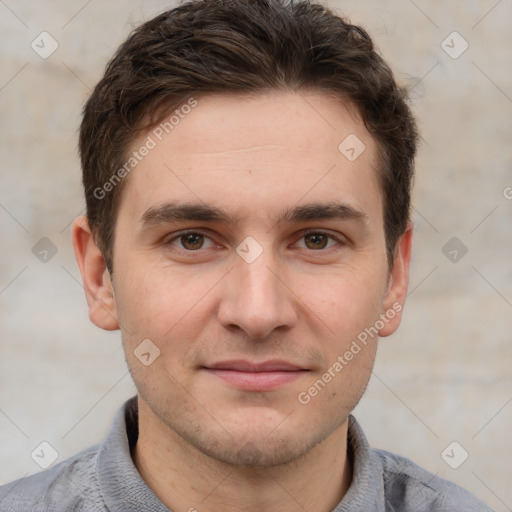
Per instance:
{"type": "Point", "coordinates": [193, 241]}
{"type": "Point", "coordinates": [190, 241]}
{"type": "Point", "coordinates": [318, 240]}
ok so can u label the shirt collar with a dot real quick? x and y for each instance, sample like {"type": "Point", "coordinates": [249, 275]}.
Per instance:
{"type": "Point", "coordinates": [124, 490]}
{"type": "Point", "coordinates": [366, 491]}
{"type": "Point", "coordinates": [121, 485]}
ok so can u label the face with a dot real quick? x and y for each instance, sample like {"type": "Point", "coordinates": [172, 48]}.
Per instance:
{"type": "Point", "coordinates": [250, 251]}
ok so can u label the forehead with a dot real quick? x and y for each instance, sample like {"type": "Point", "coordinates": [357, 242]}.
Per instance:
{"type": "Point", "coordinates": [254, 152]}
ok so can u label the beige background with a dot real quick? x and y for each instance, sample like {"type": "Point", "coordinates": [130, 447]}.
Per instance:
{"type": "Point", "coordinates": [444, 376]}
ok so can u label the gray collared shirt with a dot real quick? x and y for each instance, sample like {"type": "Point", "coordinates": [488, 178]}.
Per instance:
{"type": "Point", "coordinates": [103, 478]}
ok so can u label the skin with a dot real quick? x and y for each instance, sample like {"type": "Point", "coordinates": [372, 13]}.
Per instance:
{"type": "Point", "coordinates": [205, 443]}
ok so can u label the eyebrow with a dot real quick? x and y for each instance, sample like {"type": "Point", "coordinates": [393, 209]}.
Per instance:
{"type": "Point", "coordinates": [175, 212]}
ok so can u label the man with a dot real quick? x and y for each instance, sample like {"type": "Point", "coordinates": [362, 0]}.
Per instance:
{"type": "Point", "coordinates": [247, 167]}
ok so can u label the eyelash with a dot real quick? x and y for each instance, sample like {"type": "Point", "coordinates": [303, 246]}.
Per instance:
{"type": "Point", "coordinates": [177, 236]}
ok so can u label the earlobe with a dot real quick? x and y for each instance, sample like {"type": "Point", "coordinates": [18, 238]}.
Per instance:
{"type": "Point", "coordinates": [95, 276]}
{"type": "Point", "coordinates": [398, 282]}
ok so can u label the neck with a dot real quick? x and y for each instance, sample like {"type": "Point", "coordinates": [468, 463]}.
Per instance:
{"type": "Point", "coordinates": [186, 479]}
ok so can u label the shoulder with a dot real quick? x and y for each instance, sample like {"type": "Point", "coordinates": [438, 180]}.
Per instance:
{"type": "Point", "coordinates": [69, 485]}
{"type": "Point", "coordinates": [416, 489]}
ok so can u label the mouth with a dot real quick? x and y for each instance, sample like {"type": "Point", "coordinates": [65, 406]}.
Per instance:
{"type": "Point", "coordinates": [253, 376]}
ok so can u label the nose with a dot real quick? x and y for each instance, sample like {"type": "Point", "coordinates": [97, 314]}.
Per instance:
{"type": "Point", "coordinates": [256, 298]}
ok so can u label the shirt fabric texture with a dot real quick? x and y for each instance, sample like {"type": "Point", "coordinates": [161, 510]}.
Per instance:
{"type": "Point", "coordinates": [104, 478]}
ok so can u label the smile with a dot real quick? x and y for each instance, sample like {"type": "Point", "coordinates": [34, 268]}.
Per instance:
{"type": "Point", "coordinates": [266, 376]}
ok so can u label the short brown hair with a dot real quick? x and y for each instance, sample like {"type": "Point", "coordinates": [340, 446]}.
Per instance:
{"type": "Point", "coordinates": [241, 46]}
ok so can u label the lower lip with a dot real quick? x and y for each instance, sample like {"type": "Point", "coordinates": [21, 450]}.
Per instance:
{"type": "Point", "coordinates": [256, 381]}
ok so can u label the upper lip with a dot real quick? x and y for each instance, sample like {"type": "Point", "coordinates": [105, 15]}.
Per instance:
{"type": "Point", "coordinates": [240, 365]}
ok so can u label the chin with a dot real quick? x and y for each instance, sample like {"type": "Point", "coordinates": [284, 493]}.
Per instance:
{"type": "Point", "coordinates": [261, 441]}
{"type": "Point", "coordinates": [254, 454]}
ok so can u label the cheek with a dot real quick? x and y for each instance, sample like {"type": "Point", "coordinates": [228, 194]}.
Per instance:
{"type": "Point", "coordinates": [345, 300]}
{"type": "Point", "coordinates": [350, 310]}
{"type": "Point", "coordinates": [157, 302]}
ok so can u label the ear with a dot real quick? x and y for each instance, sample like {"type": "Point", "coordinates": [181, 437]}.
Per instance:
{"type": "Point", "coordinates": [397, 285]}
{"type": "Point", "coordinates": [95, 276]}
